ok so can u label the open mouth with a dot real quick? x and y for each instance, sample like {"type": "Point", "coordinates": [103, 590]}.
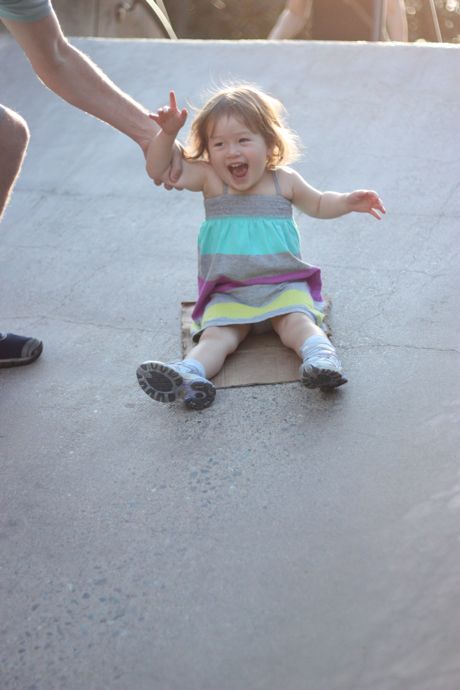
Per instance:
{"type": "Point", "coordinates": [238, 170]}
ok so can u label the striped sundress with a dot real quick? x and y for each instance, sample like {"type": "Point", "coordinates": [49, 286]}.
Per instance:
{"type": "Point", "coordinates": [249, 263]}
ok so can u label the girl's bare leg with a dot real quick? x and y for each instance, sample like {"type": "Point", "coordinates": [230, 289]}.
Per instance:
{"type": "Point", "coordinates": [321, 367]}
{"type": "Point", "coordinates": [188, 378]}
{"type": "Point", "coordinates": [294, 329]}
{"type": "Point", "coordinates": [215, 344]}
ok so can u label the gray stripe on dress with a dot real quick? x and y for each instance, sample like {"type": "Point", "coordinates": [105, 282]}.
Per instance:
{"type": "Point", "coordinates": [251, 205]}
{"type": "Point", "coordinates": [213, 266]}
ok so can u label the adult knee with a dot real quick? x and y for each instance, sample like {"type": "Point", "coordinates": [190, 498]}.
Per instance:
{"type": "Point", "coordinates": [20, 135]}
{"type": "Point", "coordinates": [14, 135]}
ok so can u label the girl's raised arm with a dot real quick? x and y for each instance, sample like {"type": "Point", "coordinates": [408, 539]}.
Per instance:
{"type": "Point", "coordinates": [159, 153]}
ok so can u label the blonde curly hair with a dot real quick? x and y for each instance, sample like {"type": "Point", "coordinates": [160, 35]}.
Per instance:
{"type": "Point", "coordinates": [259, 111]}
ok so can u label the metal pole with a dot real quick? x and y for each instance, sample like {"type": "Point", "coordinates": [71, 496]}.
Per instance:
{"type": "Point", "coordinates": [434, 17]}
{"type": "Point", "coordinates": [378, 21]}
{"type": "Point", "coordinates": [161, 18]}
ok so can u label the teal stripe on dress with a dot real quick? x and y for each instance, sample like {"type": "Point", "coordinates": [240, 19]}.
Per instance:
{"type": "Point", "coordinates": [224, 236]}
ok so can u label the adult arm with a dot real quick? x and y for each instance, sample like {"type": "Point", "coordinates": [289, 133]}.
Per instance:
{"type": "Point", "coordinates": [74, 77]}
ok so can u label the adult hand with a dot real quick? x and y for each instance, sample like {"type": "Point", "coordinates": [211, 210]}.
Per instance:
{"type": "Point", "coordinates": [169, 179]}
{"type": "Point", "coordinates": [366, 201]}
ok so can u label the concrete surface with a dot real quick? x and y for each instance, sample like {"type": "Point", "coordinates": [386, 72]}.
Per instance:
{"type": "Point", "coordinates": [282, 539]}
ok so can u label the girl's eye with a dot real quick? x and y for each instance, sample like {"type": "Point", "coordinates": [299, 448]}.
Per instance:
{"type": "Point", "coordinates": [217, 144]}
{"type": "Point", "coordinates": [244, 140]}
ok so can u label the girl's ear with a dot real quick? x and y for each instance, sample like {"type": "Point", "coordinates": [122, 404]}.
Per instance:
{"type": "Point", "coordinates": [271, 148]}
{"type": "Point", "coordinates": [270, 156]}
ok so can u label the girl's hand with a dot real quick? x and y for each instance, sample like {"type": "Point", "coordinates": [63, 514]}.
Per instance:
{"type": "Point", "coordinates": [169, 118]}
{"type": "Point", "coordinates": [365, 201]}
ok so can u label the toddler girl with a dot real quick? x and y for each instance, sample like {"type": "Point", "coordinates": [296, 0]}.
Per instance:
{"type": "Point", "coordinates": [251, 274]}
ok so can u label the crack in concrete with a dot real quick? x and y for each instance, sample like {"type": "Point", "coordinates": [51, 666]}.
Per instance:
{"type": "Point", "coordinates": [376, 345]}
{"type": "Point", "coordinates": [130, 328]}
{"type": "Point", "coordinates": [55, 319]}
{"type": "Point", "coordinates": [382, 269]}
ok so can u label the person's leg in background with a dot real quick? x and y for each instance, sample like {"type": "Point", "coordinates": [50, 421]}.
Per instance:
{"type": "Point", "coordinates": [14, 138]}
{"type": "Point", "coordinates": [291, 20]}
{"type": "Point", "coordinates": [396, 21]}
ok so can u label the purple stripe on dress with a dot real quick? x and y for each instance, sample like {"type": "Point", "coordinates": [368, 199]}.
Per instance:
{"type": "Point", "coordinates": [312, 276]}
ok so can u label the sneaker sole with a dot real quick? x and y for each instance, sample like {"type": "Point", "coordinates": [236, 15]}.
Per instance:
{"type": "Point", "coordinates": [159, 382]}
{"type": "Point", "coordinates": [322, 378]}
{"type": "Point", "coordinates": [205, 393]}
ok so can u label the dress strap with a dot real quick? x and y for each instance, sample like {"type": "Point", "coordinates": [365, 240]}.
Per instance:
{"type": "Point", "coordinates": [277, 182]}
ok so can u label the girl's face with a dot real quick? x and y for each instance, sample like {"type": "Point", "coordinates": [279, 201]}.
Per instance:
{"type": "Point", "coordinates": [238, 155]}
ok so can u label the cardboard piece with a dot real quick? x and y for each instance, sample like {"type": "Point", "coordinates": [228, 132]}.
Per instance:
{"type": "Point", "coordinates": [260, 358]}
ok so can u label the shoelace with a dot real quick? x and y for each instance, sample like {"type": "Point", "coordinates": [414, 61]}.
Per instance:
{"type": "Point", "coordinates": [182, 367]}
{"type": "Point", "coordinates": [321, 351]}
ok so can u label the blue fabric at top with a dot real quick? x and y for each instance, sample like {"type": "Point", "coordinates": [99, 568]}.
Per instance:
{"type": "Point", "coordinates": [25, 10]}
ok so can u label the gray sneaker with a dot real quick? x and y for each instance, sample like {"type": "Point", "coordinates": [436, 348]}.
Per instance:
{"type": "Point", "coordinates": [321, 368]}
{"type": "Point", "coordinates": [168, 382]}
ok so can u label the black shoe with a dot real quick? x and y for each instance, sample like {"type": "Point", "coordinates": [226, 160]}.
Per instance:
{"type": "Point", "coordinates": [17, 350]}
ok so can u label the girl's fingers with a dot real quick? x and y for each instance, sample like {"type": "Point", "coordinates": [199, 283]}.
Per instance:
{"type": "Point", "coordinates": [378, 204]}
{"type": "Point", "coordinates": [368, 201]}
{"type": "Point", "coordinates": [172, 100]}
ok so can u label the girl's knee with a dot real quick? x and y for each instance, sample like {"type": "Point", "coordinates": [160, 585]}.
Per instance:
{"type": "Point", "coordinates": [294, 328]}
{"type": "Point", "coordinates": [228, 337]}
{"type": "Point", "coordinates": [287, 321]}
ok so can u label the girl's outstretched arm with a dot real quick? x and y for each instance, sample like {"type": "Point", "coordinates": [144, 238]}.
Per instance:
{"type": "Point", "coordinates": [160, 151]}
{"type": "Point", "coordinates": [333, 204]}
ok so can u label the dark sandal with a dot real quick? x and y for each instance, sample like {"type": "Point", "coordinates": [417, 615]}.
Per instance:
{"type": "Point", "coordinates": [17, 350]}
